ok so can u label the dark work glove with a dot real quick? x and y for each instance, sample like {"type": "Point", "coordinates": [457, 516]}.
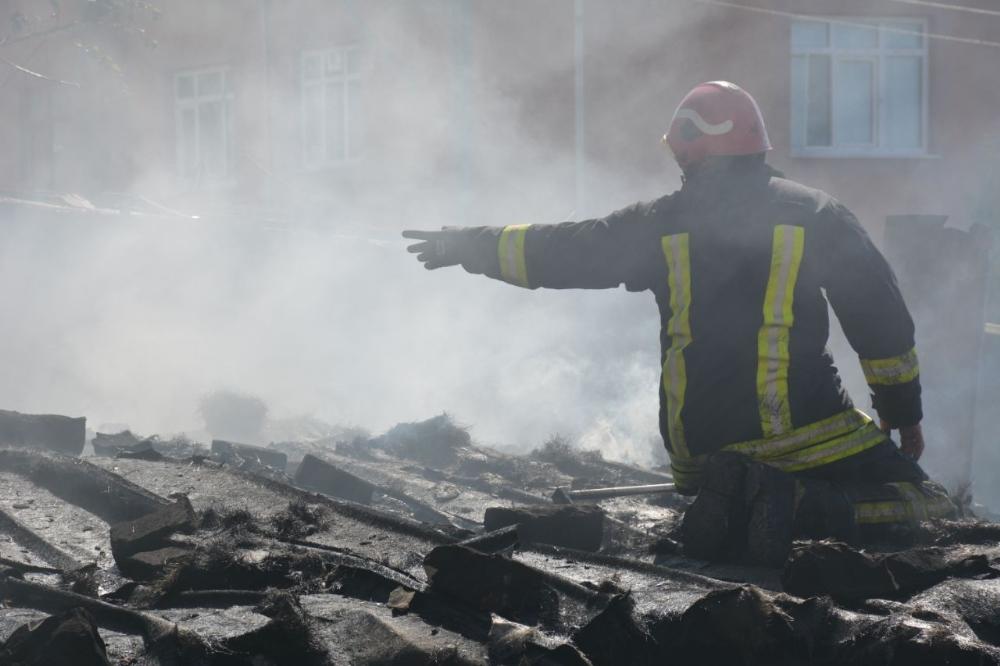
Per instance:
{"type": "Point", "coordinates": [436, 249]}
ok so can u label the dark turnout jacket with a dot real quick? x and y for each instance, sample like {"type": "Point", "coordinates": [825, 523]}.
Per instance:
{"type": "Point", "coordinates": [742, 265]}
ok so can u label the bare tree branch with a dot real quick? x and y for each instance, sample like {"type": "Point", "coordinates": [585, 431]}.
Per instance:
{"type": "Point", "coordinates": [37, 75]}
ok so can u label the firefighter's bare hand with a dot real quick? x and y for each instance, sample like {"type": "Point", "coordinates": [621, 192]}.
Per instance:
{"type": "Point", "coordinates": [911, 439]}
{"type": "Point", "coordinates": [436, 249]}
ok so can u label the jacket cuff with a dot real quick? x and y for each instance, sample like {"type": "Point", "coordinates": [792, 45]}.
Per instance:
{"type": "Point", "coordinates": [899, 404]}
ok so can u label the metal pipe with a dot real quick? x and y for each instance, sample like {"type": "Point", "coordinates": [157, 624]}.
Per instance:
{"type": "Point", "coordinates": [564, 496]}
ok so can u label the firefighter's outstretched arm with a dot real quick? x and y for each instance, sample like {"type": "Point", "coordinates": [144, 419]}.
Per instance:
{"type": "Point", "coordinates": [594, 254]}
{"type": "Point", "coordinates": [865, 296]}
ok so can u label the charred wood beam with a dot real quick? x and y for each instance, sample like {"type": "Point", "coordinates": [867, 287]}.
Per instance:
{"type": "Point", "coordinates": [50, 600]}
{"type": "Point", "coordinates": [83, 484]}
{"type": "Point", "coordinates": [23, 536]}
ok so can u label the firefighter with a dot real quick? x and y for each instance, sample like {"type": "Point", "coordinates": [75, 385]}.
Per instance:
{"type": "Point", "coordinates": [743, 264]}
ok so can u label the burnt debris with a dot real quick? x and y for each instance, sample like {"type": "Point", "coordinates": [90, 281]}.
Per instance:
{"type": "Point", "coordinates": [419, 546]}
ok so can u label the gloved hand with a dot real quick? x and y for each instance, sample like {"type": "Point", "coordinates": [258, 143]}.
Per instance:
{"type": "Point", "coordinates": [437, 249]}
{"type": "Point", "coordinates": [911, 439]}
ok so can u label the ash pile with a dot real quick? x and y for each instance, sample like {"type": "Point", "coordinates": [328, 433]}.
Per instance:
{"type": "Point", "coordinates": [420, 547]}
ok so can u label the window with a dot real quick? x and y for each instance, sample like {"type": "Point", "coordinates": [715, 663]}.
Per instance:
{"type": "Point", "coordinates": [332, 129]}
{"type": "Point", "coordinates": [204, 108]}
{"type": "Point", "coordinates": [859, 87]}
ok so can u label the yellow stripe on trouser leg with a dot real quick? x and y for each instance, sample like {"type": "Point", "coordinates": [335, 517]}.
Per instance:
{"type": "Point", "coordinates": [513, 267]}
{"type": "Point", "coordinates": [677, 252]}
{"type": "Point", "coordinates": [914, 502]}
{"type": "Point", "coordinates": [772, 340]}
{"type": "Point", "coordinates": [893, 370]}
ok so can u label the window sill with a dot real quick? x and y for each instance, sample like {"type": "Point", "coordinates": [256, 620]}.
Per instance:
{"type": "Point", "coordinates": [862, 154]}
{"type": "Point", "coordinates": [331, 166]}
{"type": "Point", "coordinates": [224, 185]}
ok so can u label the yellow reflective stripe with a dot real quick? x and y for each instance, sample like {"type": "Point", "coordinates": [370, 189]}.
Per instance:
{"type": "Point", "coordinates": [917, 500]}
{"type": "Point", "coordinates": [820, 443]}
{"type": "Point", "coordinates": [830, 452]}
{"type": "Point", "coordinates": [837, 425]}
{"type": "Point", "coordinates": [772, 340]}
{"type": "Point", "coordinates": [677, 252]}
{"type": "Point", "coordinates": [868, 513]}
{"type": "Point", "coordinates": [894, 370]}
{"type": "Point", "coordinates": [513, 267]}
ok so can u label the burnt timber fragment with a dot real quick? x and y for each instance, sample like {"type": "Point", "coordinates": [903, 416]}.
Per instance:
{"type": "Point", "coordinates": [501, 585]}
{"type": "Point", "coordinates": [150, 532]}
{"type": "Point", "coordinates": [238, 454]}
{"type": "Point", "coordinates": [847, 574]}
{"type": "Point", "coordinates": [49, 432]}
{"type": "Point", "coordinates": [321, 476]}
{"type": "Point", "coordinates": [112, 444]}
{"type": "Point", "coordinates": [67, 639]}
{"type": "Point", "coordinates": [571, 526]}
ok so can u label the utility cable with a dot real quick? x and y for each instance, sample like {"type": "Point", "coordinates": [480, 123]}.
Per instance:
{"type": "Point", "coordinates": [945, 5]}
{"type": "Point", "coordinates": [856, 24]}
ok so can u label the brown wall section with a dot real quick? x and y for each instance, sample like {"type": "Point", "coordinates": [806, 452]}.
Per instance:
{"type": "Point", "coordinates": [468, 94]}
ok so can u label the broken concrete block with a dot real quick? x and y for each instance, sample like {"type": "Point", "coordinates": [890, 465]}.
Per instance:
{"type": "Point", "coordinates": [512, 643]}
{"type": "Point", "coordinates": [151, 563]}
{"type": "Point", "coordinates": [67, 639]}
{"type": "Point", "coordinates": [574, 526]}
{"type": "Point", "coordinates": [725, 626]}
{"type": "Point", "coordinates": [144, 450]}
{"type": "Point", "coordinates": [847, 574]}
{"type": "Point", "coordinates": [321, 476]}
{"type": "Point", "coordinates": [493, 583]}
{"type": "Point", "coordinates": [43, 431]}
{"type": "Point", "coordinates": [614, 636]}
{"type": "Point", "coordinates": [234, 452]}
{"type": "Point", "coordinates": [111, 445]}
{"type": "Point", "coordinates": [151, 531]}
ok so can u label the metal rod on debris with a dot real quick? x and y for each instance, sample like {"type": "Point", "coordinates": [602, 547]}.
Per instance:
{"type": "Point", "coordinates": [566, 496]}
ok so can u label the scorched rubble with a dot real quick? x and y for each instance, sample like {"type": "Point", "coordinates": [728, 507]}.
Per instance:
{"type": "Point", "coordinates": [421, 547]}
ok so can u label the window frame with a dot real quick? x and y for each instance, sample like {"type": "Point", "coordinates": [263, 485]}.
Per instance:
{"type": "Point", "coordinates": [878, 55]}
{"type": "Point", "coordinates": [226, 96]}
{"type": "Point", "coordinates": [351, 154]}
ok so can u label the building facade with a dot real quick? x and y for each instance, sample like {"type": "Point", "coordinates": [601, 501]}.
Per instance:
{"type": "Point", "coordinates": [287, 106]}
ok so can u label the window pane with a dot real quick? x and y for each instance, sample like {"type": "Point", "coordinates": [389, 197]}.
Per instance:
{"type": "Point", "coordinates": [903, 106]}
{"type": "Point", "coordinates": [353, 61]}
{"type": "Point", "coordinates": [312, 67]}
{"type": "Point", "coordinates": [818, 125]}
{"type": "Point", "coordinates": [854, 36]}
{"type": "Point", "coordinates": [187, 143]}
{"type": "Point", "coordinates": [335, 130]}
{"type": "Point", "coordinates": [355, 119]}
{"type": "Point", "coordinates": [900, 35]}
{"type": "Point", "coordinates": [810, 35]}
{"type": "Point", "coordinates": [312, 124]}
{"type": "Point", "coordinates": [334, 62]}
{"type": "Point", "coordinates": [229, 125]}
{"type": "Point", "coordinates": [211, 139]}
{"type": "Point", "coordinates": [800, 81]}
{"type": "Point", "coordinates": [854, 102]}
{"type": "Point", "coordinates": [210, 83]}
{"type": "Point", "coordinates": [185, 87]}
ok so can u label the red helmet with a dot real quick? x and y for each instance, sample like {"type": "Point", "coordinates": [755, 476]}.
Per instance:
{"type": "Point", "coordinates": [716, 118]}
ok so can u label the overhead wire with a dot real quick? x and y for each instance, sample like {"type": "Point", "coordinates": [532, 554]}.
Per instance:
{"type": "Point", "coordinates": [947, 5]}
{"type": "Point", "coordinates": [856, 24]}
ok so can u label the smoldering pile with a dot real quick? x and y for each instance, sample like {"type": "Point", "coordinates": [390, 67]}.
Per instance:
{"type": "Point", "coordinates": [419, 546]}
